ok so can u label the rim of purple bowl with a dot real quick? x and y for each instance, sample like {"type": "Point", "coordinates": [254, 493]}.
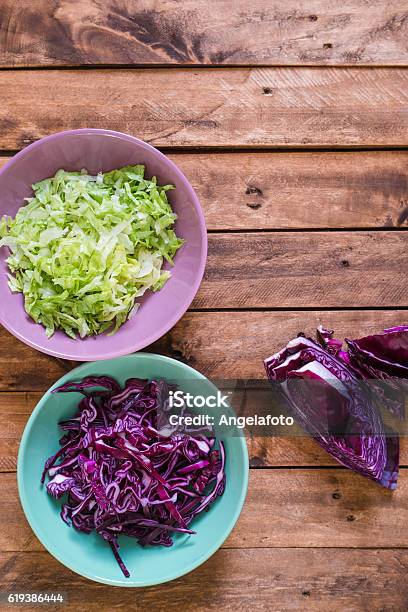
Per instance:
{"type": "Point", "coordinates": [136, 346]}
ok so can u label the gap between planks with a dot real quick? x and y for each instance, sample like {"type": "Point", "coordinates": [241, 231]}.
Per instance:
{"type": "Point", "coordinates": [195, 67]}
{"type": "Point", "coordinates": [256, 579]}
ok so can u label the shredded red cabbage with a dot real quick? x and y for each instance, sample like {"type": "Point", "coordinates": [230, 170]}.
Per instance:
{"type": "Point", "coordinates": [122, 476]}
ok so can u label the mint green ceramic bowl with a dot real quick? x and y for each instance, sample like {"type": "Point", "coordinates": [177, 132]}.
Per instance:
{"type": "Point", "coordinates": [88, 555]}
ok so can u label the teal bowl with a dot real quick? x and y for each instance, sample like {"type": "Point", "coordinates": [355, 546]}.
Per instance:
{"type": "Point", "coordinates": [88, 555]}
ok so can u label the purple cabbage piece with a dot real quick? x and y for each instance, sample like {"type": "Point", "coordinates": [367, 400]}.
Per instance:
{"type": "Point", "coordinates": [89, 382]}
{"type": "Point", "coordinates": [386, 352]}
{"type": "Point", "coordinates": [59, 485]}
{"type": "Point", "coordinates": [381, 359]}
{"type": "Point", "coordinates": [121, 475]}
{"type": "Point", "coordinates": [332, 399]}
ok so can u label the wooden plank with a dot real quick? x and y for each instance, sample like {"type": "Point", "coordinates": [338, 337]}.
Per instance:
{"type": "Point", "coordinates": [259, 107]}
{"type": "Point", "coordinates": [226, 32]}
{"type": "Point", "coordinates": [257, 579]}
{"type": "Point", "coordinates": [264, 190]}
{"type": "Point", "coordinates": [297, 270]}
{"type": "Point", "coordinates": [319, 269]}
{"type": "Point", "coordinates": [15, 408]}
{"type": "Point", "coordinates": [322, 508]}
{"type": "Point", "coordinates": [218, 344]}
{"type": "Point", "coordinates": [234, 344]}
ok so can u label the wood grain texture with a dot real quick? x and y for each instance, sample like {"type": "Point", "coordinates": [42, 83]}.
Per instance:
{"type": "Point", "coordinates": [234, 344]}
{"type": "Point", "coordinates": [257, 579]}
{"type": "Point", "coordinates": [263, 190]}
{"type": "Point", "coordinates": [67, 32]}
{"type": "Point", "coordinates": [297, 270]}
{"type": "Point", "coordinates": [15, 409]}
{"type": "Point", "coordinates": [320, 269]}
{"type": "Point", "coordinates": [221, 345]}
{"type": "Point", "coordinates": [296, 545]}
{"type": "Point", "coordinates": [218, 344]}
{"type": "Point", "coordinates": [259, 107]}
{"type": "Point", "coordinates": [266, 190]}
{"type": "Point", "coordinates": [322, 508]}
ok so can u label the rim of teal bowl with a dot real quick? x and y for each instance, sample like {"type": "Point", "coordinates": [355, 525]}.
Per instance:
{"type": "Point", "coordinates": [48, 544]}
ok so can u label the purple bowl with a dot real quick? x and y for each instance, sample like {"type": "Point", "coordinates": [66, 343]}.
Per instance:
{"type": "Point", "coordinates": [103, 150]}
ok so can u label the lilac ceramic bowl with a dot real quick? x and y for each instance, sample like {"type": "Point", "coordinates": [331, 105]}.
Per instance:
{"type": "Point", "coordinates": [103, 150]}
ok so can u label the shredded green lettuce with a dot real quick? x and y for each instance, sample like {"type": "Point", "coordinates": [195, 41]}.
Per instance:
{"type": "Point", "coordinates": [85, 247]}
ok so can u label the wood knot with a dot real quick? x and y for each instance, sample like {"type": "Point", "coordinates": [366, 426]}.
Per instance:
{"type": "Point", "coordinates": [403, 215]}
{"type": "Point", "coordinates": [256, 461]}
{"type": "Point", "coordinates": [336, 495]}
{"type": "Point", "coordinates": [350, 518]}
{"type": "Point", "coordinates": [306, 593]}
{"type": "Point", "coordinates": [345, 263]}
{"type": "Point", "coordinates": [178, 354]}
{"type": "Point", "coordinates": [388, 221]}
{"type": "Point", "coordinates": [251, 189]}
{"type": "Point", "coordinates": [312, 17]}
{"type": "Point", "coordinates": [27, 139]}
{"type": "Point", "coordinates": [327, 46]}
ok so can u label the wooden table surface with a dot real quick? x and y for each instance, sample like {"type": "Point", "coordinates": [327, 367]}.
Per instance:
{"type": "Point", "coordinates": [290, 120]}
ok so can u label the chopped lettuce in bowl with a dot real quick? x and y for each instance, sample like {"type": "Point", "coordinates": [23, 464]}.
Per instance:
{"type": "Point", "coordinates": [84, 248]}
